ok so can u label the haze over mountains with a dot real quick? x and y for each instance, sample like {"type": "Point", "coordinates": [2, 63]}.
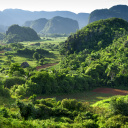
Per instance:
{"type": "Point", "coordinates": [118, 11]}
{"type": "Point", "coordinates": [18, 16]}
{"type": "Point", "coordinates": [37, 25]}
{"type": "Point", "coordinates": [56, 25]}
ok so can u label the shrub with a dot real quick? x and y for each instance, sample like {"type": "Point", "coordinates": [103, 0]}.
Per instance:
{"type": "Point", "coordinates": [42, 111]}
{"type": "Point", "coordinates": [26, 110]}
{"type": "Point", "coordinates": [115, 121]}
{"type": "Point", "coordinates": [84, 116]}
{"type": "Point", "coordinates": [61, 112]}
{"type": "Point", "coordinates": [10, 81]}
{"type": "Point", "coordinates": [71, 104]}
{"type": "Point", "coordinates": [32, 88]}
{"type": "Point", "coordinates": [33, 98]}
{"type": "Point", "coordinates": [64, 120]}
{"type": "Point", "coordinates": [4, 112]}
{"type": "Point", "coordinates": [119, 105]}
{"type": "Point", "coordinates": [5, 92]}
{"type": "Point", "coordinates": [90, 124]}
{"type": "Point", "coordinates": [20, 91]}
{"type": "Point", "coordinates": [16, 67]}
{"type": "Point", "coordinates": [50, 102]}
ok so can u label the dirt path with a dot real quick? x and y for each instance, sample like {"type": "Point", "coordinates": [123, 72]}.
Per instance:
{"type": "Point", "coordinates": [111, 91]}
{"type": "Point", "coordinates": [45, 66]}
{"type": "Point", "coordinates": [2, 51]}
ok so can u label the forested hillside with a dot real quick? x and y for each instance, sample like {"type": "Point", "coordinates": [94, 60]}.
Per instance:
{"type": "Point", "coordinates": [118, 11]}
{"type": "Point", "coordinates": [95, 36]}
{"type": "Point", "coordinates": [37, 25]}
{"type": "Point", "coordinates": [60, 25]}
{"type": "Point", "coordinates": [100, 51]}
{"type": "Point", "coordinates": [15, 33]}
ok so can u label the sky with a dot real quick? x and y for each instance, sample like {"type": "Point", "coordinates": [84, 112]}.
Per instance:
{"type": "Point", "coordinates": [77, 6]}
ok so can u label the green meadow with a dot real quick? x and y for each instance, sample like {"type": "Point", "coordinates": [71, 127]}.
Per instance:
{"type": "Point", "coordinates": [47, 43]}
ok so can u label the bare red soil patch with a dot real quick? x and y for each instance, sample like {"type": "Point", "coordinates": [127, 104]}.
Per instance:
{"type": "Point", "coordinates": [45, 66]}
{"type": "Point", "coordinates": [111, 91]}
{"type": "Point", "coordinates": [2, 51]}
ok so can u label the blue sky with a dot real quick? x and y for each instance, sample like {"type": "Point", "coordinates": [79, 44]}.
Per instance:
{"type": "Point", "coordinates": [76, 6]}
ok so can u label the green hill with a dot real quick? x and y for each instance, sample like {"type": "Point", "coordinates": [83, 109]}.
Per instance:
{"type": "Point", "coordinates": [95, 36]}
{"type": "Point", "coordinates": [15, 33]}
{"type": "Point", "coordinates": [60, 25]}
{"type": "Point", "coordinates": [100, 50]}
{"type": "Point", "coordinates": [37, 25]}
{"type": "Point", "coordinates": [118, 11]}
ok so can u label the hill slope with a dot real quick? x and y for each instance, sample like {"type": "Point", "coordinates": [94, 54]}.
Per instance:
{"type": "Point", "coordinates": [95, 36]}
{"type": "Point", "coordinates": [100, 50]}
{"type": "Point", "coordinates": [37, 25]}
{"type": "Point", "coordinates": [15, 33]}
{"type": "Point", "coordinates": [60, 25]}
{"type": "Point", "coordinates": [119, 11]}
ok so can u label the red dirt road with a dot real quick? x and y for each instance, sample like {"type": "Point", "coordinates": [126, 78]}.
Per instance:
{"type": "Point", "coordinates": [45, 66]}
{"type": "Point", "coordinates": [111, 91]}
{"type": "Point", "coordinates": [2, 51]}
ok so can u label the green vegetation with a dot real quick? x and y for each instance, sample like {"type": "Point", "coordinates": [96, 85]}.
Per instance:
{"type": "Point", "coordinates": [95, 36]}
{"type": "Point", "coordinates": [107, 63]}
{"type": "Point", "coordinates": [95, 56]}
{"type": "Point", "coordinates": [15, 33]}
{"type": "Point", "coordinates": [2, 35]}
{"type": "Point", "coordinates": [66, 113]}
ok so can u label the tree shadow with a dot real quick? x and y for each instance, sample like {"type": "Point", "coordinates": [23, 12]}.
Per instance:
{"type": "Point", "coordinates": [1, 61]}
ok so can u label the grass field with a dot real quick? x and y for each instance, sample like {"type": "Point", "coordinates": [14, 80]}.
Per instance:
{"type": "Point", "coordinates": [98, 98]}
{"type": "Point", "coordinates": [90, 97]}
{"type": "Point", "coordinates": [45, 40]}
{"type": "Point", "coordinates": [47, 43]}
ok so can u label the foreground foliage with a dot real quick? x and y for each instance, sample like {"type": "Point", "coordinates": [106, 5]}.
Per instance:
{"type": "Point", "coordinates": [66, 113]}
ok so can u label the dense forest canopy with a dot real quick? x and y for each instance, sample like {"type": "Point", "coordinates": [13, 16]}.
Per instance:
{"type": "Point", "coordinates": [100, 51]}
{"type": "Point", "coordinates": [95, 36]}
{"type": "Point", "coordinates": [16, 33]}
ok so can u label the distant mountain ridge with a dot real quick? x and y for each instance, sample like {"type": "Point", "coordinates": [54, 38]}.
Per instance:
{"type": "Point", "coordinates": [60, 25]}
{"type": "Point", "coordinates": [18, 16]}
{"type": "Point", "coordinates": [37, 25]}
{"type": "Point", "coordinates": [118, 11]}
